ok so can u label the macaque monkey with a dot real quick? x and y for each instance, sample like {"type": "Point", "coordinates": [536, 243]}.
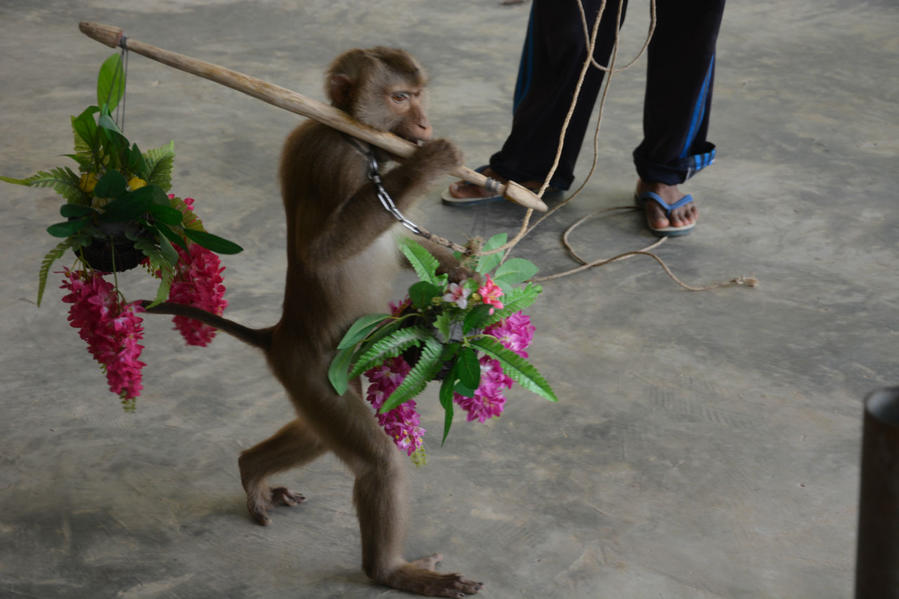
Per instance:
{"type": "Point", "coordinates": [341, 260]}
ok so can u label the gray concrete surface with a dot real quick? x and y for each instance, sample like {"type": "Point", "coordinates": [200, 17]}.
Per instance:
{"type": "Point", "coordinates": [704, 445]}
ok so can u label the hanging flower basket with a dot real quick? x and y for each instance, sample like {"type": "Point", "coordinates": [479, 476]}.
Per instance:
{"type": "Point", "coordinates": [118, 214]}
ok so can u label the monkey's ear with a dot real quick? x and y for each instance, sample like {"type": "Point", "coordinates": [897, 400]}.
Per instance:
{"type": "Point", "coordinates": [339, 86]}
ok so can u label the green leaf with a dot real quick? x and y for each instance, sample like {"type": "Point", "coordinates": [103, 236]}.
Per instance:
{"type": "Point", "coordinates": [66, 228]}
{"type": "Point", "coordinates": [446, 400]}
{"type": "Point", "coordinates": [165, 214]}
{"type": "Point", "coordinates": [476, 317]}
{"type": "Point", "coordinates": [517, 368]}
{"type": "Point", "coordinates": [110, 82]}
{"type": "Point", "coordinates": [125, 209]}
{"type": "Point", "coordinates": [171, 236]}
{"type": "Point", "coordinates": [424, 264]}
{"type": "Point", "coordinates": [422, 292]}
{"type": "Point", "coordinates": [442, 324]}
{"type": "Point", "coordinates": [160, 162]}
{"type": "Point", "coordinates": [337, 371]}
{"type": "Point", "coordinates": [168, 252]}
{"type": "Point", "coordinates": [114, 143]}
{"type": "Point", "coordinates": [517, 299]}
{"type": "Point", "coordinates": [389, 347]}
{"type": "Point", "coordinates": [490, 261]}
{"type": "Point", "coordinates": [217, 244]}
{"type": "Point", "coordinates": [515, 271]}
{"type": "Point", "coordinates": [158, 263]}
{"type": "Point", "coordinates": [136, 163]}
{"type": "Point", "coordinates": [85, 128]}
{"type": "Point", "coordinates": [468, 368]}
{"type": "Point", "coordinates": [463, 390]}
{"type": "Point", "coordinates": [62, 180]}
{"type": "Point", "coordinates": [360, 329]}
{"type": "Point", "coordinates": [51, 257]}
{"type": "Point", "coordinates": [75, 210]}
{"type": "Point", "coordinates": [111, 185]}
{"type": "Point", "coordinates": [105, 122]}
{"type": "Point", "coordinates": [418, 377]}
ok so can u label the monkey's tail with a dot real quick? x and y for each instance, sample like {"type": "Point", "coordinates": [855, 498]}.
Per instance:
{"type": "Point", "coordinates": [261, 338]}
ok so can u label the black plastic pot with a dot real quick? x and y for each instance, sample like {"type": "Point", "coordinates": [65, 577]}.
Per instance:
{"type": "Point", "coordinates": [99, 254]}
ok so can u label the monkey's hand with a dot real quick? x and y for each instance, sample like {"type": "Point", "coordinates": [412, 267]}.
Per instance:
{"type": "Point", "coordinates": [435, 157]}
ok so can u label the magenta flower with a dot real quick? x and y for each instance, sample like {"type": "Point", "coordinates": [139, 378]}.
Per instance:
{"type": "Point", "coordinates": [111, 328]}
{"type": "Point", "coordinates": [457, 294]}
{"type": "Point", "coordinates": [402, 422]}
{"type": "Point", "coordinates": [490, 293]}
{"type": "Point", "coordinates": [488, 401]}
{"type": "Point", "coordinates": [515, 332]}
{"type": "Point", "coordinates": [398, 309]}
{"type": "Point", "coordinates": [198, 282]}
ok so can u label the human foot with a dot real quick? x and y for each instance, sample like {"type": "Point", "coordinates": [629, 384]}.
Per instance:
{"type": "Point", "coordinates": [679, 221]}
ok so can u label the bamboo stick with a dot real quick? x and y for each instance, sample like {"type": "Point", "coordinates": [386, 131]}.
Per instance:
{"type": "Point", "coordinates": [294, 102]}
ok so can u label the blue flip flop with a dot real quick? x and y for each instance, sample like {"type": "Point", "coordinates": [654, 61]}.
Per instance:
{"type": "Point", "coordinates": [647, 196]}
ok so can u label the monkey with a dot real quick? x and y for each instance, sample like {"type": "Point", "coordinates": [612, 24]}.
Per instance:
{"type": "Point", "coordinates": [341, 260]}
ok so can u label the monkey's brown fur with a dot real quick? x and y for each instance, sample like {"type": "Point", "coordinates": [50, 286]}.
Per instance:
{"type": "Point", "coordinates": [341, 260]}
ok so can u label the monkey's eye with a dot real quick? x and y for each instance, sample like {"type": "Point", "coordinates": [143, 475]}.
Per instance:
{"type": "Point", "coordinates": [399, 97]}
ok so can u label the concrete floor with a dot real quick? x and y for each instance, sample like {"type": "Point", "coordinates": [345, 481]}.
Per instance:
{"type": "Point", "coordinates": [704, 445]}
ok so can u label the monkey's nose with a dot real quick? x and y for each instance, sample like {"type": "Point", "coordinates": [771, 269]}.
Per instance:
{"type": "Point", "coordinates": [424, 131]}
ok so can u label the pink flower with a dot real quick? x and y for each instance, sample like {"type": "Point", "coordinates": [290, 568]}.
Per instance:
{"type": "Point", "coordinates": [515, 332]}
{"type": "Point", "coordinates": [398, 309]}
{"type": "Point", "coordinates": [457, 294]}
{"type": "Point", "coordinates": [111, 328]}
{"type": "Point", "coordinates": [490, 293]}
{"type": "Point", "coordinates": [198, 282]}
{"type": "Point", "coordinates": [488, 401]}
{"type": "Point", "coordinates": [402, 422]}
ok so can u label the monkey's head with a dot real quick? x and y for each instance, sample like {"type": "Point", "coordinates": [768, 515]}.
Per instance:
{"type": "Point", "coordinates": [383, 88]}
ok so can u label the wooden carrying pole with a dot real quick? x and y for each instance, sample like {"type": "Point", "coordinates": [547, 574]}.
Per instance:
{"type": "Point", "coordinates": [294, 102]}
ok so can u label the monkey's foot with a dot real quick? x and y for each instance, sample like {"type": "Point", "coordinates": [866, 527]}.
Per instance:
{"type": "Point", "coordinates": [419, 577]}
{"type": "Point", "coordinates": [428, 562]}
{"type": "Point", "coordinates": [259, 502]}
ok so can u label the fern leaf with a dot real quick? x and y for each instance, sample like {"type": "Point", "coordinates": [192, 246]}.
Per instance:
{"type": "Point", "coordinates": [62, 180]}
{"type": "Point", "coordinates": [159, 165]}
{"type": "Point", "coordinates": [418, 377]}
{"type": "Point", "coordinates": [389, 347]}
{"type": "Point", "coordinates": [51, 257]}
{"type": "Point", "coordinates": [189, 218]}
{"type": "Point", "coordinates": [519, 370]}
{"type": "Point", "coordinates": [424, 264]}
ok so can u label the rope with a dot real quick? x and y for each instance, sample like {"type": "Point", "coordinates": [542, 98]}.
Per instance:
{"type": "Point", "coordinates": [585, 265]}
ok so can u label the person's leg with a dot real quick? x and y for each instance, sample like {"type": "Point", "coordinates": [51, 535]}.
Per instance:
{"type": "Point", "coordinates": [554, 52]}
{"type": "Point", "coordinates": [677, 105]}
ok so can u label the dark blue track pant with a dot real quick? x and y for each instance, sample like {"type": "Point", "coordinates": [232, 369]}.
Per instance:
{"type": "Point", "coordinates": [681, 69]}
